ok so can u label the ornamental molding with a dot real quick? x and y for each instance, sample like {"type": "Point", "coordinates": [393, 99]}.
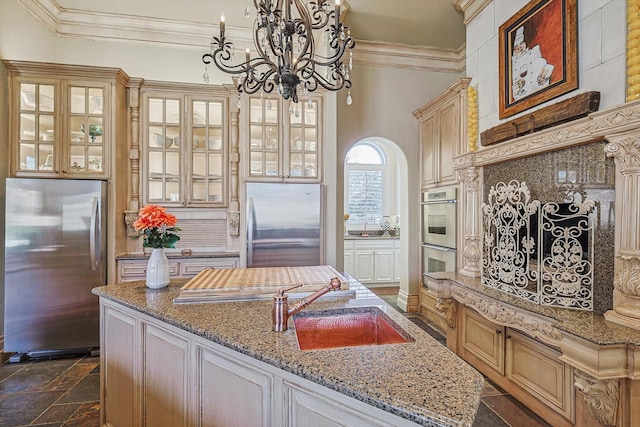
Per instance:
{"type": "Point", "coordinates": [627, 280]}
{"type": "Point", "coordinates": [447, 306]}
{"type": "Point", "coordinates": [129, 218]}
{"type": "Point", "coordinates": [625, 149]}
{"type": "Point", "coordinates": [598, 125]}
{"type": "Point", "coordinates": [233, 219]}
{"type": "Point", "coordinates": [508, 316]}
{"type": "Point", "coordinates": [601, 396]}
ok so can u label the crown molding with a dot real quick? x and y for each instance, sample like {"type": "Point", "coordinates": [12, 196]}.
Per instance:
{"type": "Point", "coordinates": [423, 58]}
{"type": "Point", "coordinates": [470, 8]}
{"type": "Point", "coordinates": [102, 26]}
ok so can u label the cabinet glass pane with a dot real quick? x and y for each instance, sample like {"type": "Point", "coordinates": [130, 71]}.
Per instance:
{"type": "Point", "coordinates": [271, 164]}
{"type": "Point", "coordinates": [172, 114]}
{"type": "Point", "coordinates": [296, 139]}
{"type": "Point", "coordinates": [199, 138]}
{"type": "Point", "coordinates": [27, 97]}
{"type": "Point", "coordinates": [256, 163]}
{"type": "Point", "coordinates": [156, 164]}
{"type": "Point", "coordinates": [173, 190]}
{"type": "Point", "coordinates": [96, 99]}
{"type": "Point", "coordinates": [310, 114]}
{"type": "Point", "coordinates": [172, 166]}
{"type": "Point", "coordinates": [215, 164]}
{"type": "Point", "coordinates": [256, 136]}
{"type": "Point", "coordinates": [27, 156]}
{"type": "Point", "coordinates": [77, 158]}
{"type": "Point", "coordinates": [271, 138]}
{"type": "Point", "coordinates": [215, 191]}
{"type": "Point", "coordinates": [199, 164]}
{"type": "Point", "coordinates": [271, 111]}
{"type": "Point", "coordinates": [310, 145]}
{"type": "Point", "coordinates": [45, 157]}
{"type": "Point", "coordinates": [78, 101]}
{"type": "Point", "coordinates": [215, 113]}
{"type": "Point", "coordinates": [156, 187]}
{"type": "Point", "coordinates": [27, 127]}
{"type": "Point", "coordinates": [172, 139]}
{"type": "Point", "coordinates": [46, 98]}
{"type": "Point", "coordinates": [156, 110]}
{"type": "Point", "coordinates": [199, 114]}
{"type": "Point", "coordinates": [95, 158]}
{"type": "Point", "coordinates": [215, 139]}
{"type": "Point", "coordinates": [199, 189]}
{"type": "Point", "coordinates": [255, 110]}
{"type": "Point", "coordinates": [156, 137]}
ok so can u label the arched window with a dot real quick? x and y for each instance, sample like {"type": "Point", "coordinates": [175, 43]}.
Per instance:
{"type": "Point", "coordinates": [365, 183]}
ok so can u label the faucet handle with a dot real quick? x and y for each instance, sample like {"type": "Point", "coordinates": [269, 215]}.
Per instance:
{"type": "Point", "coordinates": [281, 291]}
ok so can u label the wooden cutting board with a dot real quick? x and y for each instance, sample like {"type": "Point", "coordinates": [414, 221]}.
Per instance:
{"type": "Point", "coordinates": [263, 277]}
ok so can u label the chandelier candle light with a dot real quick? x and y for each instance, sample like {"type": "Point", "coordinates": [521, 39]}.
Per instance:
{"type": "Point", "coordinates": [287, 51]}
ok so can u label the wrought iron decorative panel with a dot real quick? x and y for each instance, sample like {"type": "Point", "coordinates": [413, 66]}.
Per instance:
{"type": "Point", "coordinates": [542, 253]}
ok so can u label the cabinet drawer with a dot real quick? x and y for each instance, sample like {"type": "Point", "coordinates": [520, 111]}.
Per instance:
{"type": "Point", "coordinates": [190, 268]}
{"type": "Point", "coordinates": [134, 270]}
{"type": "Point", "coordinates": [537, 369]}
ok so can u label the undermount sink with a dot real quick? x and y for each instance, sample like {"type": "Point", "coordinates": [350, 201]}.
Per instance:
{"type": "Point", "coordinates": [347, 328]}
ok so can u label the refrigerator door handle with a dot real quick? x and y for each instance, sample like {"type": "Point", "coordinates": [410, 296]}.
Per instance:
{"type": "Point", "coordinates": [93, 233]}
{"type": "Point", "coordinates": [250, 232]}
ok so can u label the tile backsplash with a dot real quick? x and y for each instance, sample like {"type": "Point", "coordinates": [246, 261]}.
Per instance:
{"type": "Point", "coordinates": [561, 175]}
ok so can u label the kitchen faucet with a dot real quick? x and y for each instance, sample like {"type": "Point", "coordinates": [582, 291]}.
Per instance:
{"type": "Point", "coordinates": [281, 310]}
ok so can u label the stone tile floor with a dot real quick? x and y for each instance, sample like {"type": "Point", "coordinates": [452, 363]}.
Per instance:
{"type": "Point", "coordinates": [497, 407]}
{"type": "Point", "coordinates": [57, 392]}
{"type": "Point", "coordinates": [65, 392]}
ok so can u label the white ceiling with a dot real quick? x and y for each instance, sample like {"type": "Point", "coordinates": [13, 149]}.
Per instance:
{"type": "Point", "coordinates": [434, 23]}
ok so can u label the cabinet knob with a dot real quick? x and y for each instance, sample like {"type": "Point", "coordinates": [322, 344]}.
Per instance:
{"type": "Point", "coordinates": [498, 332]}
{"type": "Point", "coordinates": [508, 336]}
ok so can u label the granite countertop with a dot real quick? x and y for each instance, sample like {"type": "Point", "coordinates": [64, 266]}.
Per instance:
{"type": "Point", "coordinates": [178, 255]}
{"type": "Point", "coordinates": [590, 326]}
{"type": "Point", "coordinates": [421, 381]}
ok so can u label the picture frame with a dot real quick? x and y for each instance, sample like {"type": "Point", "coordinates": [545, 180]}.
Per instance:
{"type": "Point", "coordinates": [537, 58]}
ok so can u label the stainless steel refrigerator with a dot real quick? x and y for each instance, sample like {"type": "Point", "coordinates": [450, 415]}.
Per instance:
{"type": "Point", "coordinates": [284, 224]}
{"type": "Point", "coordinates": [55, 250]}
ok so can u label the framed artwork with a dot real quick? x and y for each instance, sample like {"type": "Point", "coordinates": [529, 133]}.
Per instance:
{"type": "Point", "coordinates": [537, 58]}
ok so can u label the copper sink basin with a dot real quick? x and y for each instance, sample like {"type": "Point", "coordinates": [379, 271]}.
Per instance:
{"type": "Point", "coordinates": [347, 328]}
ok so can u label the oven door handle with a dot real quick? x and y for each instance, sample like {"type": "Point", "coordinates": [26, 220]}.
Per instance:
{"type": "Point", "coordinates": [440, 248]}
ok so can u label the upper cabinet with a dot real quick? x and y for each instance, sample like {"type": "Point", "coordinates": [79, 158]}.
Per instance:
{"type": "Point", "coordinates": [442, 134]}
{"type": "Point", "coordinates": [63, 119]}
{"type": "Point", "coordinates": [285, 139]}
{"type": "Point", "coordinates": [184, 148]}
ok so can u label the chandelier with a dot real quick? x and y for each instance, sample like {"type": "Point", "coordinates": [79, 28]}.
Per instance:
{"type": "Point", "coordinates": [288, 57]}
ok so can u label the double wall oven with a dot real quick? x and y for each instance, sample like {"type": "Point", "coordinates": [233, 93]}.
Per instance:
{"type": "Point", "coordinates": [439, 230]}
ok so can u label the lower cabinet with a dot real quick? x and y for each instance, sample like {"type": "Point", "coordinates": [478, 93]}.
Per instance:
{"type": "Point", "coordinates": [135, 269]}
{"type": "Point", "coordinates": [372, 261]}
{"type": "Point", "coordinates": [157, 375]}
{"type": "Point", "coordinates": [528, 369]}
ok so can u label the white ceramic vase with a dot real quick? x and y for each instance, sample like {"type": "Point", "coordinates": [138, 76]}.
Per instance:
{"type": "Point", "coordinates": [157, 269]}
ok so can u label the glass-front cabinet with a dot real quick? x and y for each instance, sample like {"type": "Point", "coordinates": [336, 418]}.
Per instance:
{"type": "Point", "coordinates": [60, 128]}
{"type": "Point", "coordinates": [284, 139]}
{"type": "Point", "coordinates": [184, 150]}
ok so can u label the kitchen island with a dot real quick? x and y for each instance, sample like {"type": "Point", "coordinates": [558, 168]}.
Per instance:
{"type": "Point", "coordinates": [166, 364]}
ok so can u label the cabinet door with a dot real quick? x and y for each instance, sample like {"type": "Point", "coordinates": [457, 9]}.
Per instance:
{"type": "Point", "coordinates": [39, 127]}
{"type": "Point", "coordinates": [118, 360]}
{"type": "Point", "coordinates": [165, 360]}
{"type": "Point", "coordinates": [363, 265]}
{"type": "Point", "coordinates": [449, 138]}
{"type": "Point", "coordinates": [429, 154]}
{"type": "Point", "coordinates": [191, 267]}
{"type": "Point", "coordinates": [348, 262]}
{"type": "Point", "coordinates": [383, 262]}
{"type": "Point", "coordinates": [230, 393]}
{"type": "Point", "coordinates": [483, 340]}
{"type": "Point", "coordinates": [304, 141]}
{"type": "Point", "coordinates": [538, 369]}
{"type": "Point", "coordinates": [396, 264]}
{"type": "Point", "coordinates": [86, 131]}
{"type": "Point", "coordinates": [264, 138]}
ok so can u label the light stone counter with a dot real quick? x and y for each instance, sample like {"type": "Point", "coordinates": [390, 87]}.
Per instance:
{"type": "Point", "coordinates": [421, 381]}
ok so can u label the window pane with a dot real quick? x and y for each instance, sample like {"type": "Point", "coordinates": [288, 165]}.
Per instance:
{"type": "Point", "coordinates": [365, 196]}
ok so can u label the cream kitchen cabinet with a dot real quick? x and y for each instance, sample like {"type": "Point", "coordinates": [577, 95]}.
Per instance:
{"type": "Point", "coordinates": [443, 133]}
{"type": "Point", "coordinates": [372, 261]}
{"type": "Point", "coordinates": [284, 141]}
{"type": "Point", "coordinates": [184, 145]}
{"type": "Point", "coordinates": [530, 370]}
{"type": "Point", "coordinates": [155, 374]}
{"type": "Point", "coordinates": [66, 120]}
{"type": "Point", "coordinates": [135, 269]}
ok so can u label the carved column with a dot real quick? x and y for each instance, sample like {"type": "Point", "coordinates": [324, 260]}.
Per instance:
{"type": "Point", "coordinates": [233, 214]}
{"type": "Point", "coordinates": [625, 149]}
{"type": "Point", "coordinates": [131, 214]}
{"type": "Point", "coordinates": [470, 227]}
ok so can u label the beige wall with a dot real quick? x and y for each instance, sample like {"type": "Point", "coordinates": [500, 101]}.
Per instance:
{"type": "Point", "coordinates": [4, 148]}
{"type": "Point", "coordinates": [383, 101]}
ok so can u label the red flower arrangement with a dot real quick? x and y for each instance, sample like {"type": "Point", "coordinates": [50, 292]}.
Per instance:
{"type": "Point", "coordinates": [157, 226]}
